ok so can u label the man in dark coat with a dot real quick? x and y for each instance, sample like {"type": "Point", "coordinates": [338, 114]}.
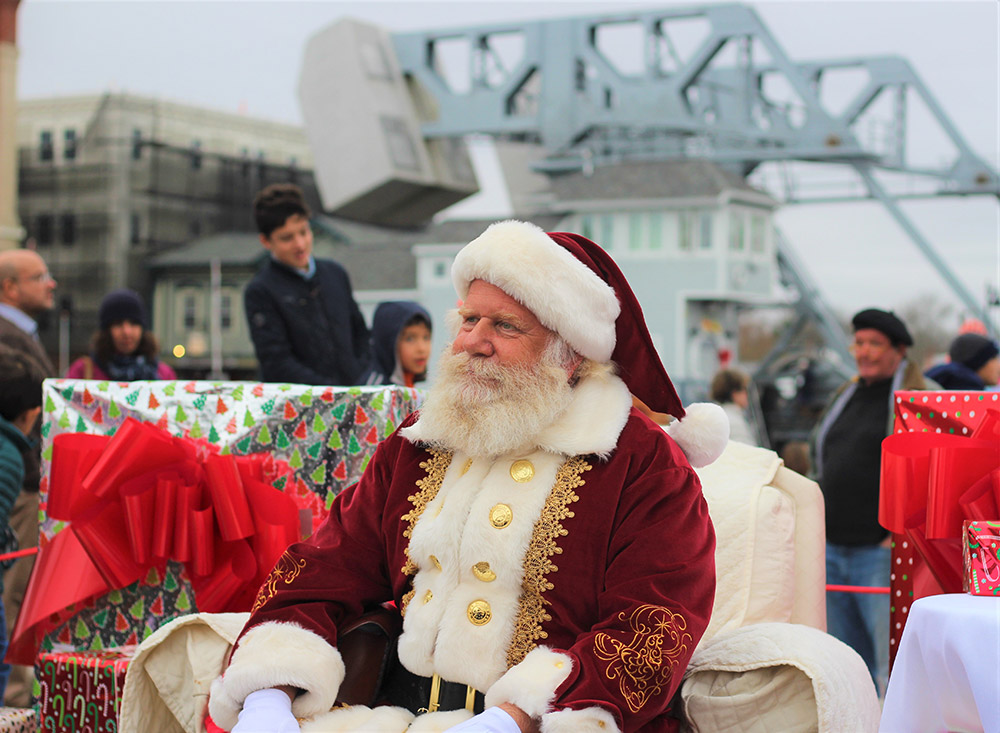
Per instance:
{"type": "Point", "coordinates": [306, 327]}
{"type": "Point", "coordinates": [26, 291]}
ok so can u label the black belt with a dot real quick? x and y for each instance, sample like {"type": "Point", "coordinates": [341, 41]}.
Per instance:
{"type": "Point", "coordinates": [428, 694]}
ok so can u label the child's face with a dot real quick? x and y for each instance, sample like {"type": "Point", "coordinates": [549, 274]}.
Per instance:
{"type": "Point", "coordinates": [414, 348]}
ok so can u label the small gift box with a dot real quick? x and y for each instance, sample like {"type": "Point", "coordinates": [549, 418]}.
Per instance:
{"type": "Point", "coordinates": [81, 691]}
{"type": "Point", "coordinates": [981, 542]}
{"type": "Point", "coordinates": [18, 720]}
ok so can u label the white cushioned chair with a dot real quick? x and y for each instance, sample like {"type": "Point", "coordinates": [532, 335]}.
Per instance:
{"type": "Point", "coordinates": [766, 663]}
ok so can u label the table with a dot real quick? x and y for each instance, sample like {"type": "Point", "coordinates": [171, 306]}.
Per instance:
{"type": "Point", "coordinates": [946, 676]}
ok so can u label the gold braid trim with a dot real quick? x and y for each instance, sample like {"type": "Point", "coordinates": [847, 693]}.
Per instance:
{"type": "Point", "coordinates": [644, 664]}
{"type": "Point", "coordinates": [531, 613]}
{"type": "Point", "coordinates": [428, 488]}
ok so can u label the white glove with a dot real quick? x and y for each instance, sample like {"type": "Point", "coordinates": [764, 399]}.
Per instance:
{"type": "Point", "coordinates": [491, 720]}
{"type": "Point", "coordinates": [267, 711]}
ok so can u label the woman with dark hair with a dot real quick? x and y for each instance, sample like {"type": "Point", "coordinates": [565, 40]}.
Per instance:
{"type": "Point", "coordinates": [122, 349]}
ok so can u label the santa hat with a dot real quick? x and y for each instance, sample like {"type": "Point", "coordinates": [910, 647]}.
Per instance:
{"type": "Point", "coordinates": [575, 289]}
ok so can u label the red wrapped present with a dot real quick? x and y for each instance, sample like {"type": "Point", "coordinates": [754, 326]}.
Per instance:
{"type": "Point", "coordinates": [18, 720]}
{"type": "Point", "coordinates": [940, 467]}
{"type": "Point", "coordinates": [980, 547]}
{"type": "Point", "coordinates": [81, 691]}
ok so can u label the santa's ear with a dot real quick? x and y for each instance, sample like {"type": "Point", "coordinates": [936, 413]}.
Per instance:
{"type": "Point", "coordinates": [702, 434]}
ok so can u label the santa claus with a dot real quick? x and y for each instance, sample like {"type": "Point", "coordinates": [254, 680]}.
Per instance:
{"type": "Point", "coordinates": [546, 543]}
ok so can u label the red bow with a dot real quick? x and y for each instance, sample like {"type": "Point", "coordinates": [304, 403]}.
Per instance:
{"type": "Point", "coordinates": [143, 497]}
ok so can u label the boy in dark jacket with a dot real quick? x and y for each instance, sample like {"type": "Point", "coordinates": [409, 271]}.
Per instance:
{"type": "Point", "coordinates": [306, 327]}
{"type": "Point", "coordinates": [401, 343]}
{"type": "Point", "coordinates": [20, 404]}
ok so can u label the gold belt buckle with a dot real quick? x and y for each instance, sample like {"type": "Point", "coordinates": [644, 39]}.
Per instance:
{"type": "Point", "coordinates": [434, 703]}
{"type": "Point", "coordinates": [470, 698]}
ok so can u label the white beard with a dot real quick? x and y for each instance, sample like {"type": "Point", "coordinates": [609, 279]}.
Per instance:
{"type": "Point", "coordinates": [485, 410]}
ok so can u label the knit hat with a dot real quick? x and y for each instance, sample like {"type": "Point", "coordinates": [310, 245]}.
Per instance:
{"type": "Point", "coordinates": [122, 305]}
{"type": "Point", "coordinates": [885, 321]}
{"type": "Point", "coordinates": [972, 350]}
{"type": "Point", "coordinates": [575, 289]}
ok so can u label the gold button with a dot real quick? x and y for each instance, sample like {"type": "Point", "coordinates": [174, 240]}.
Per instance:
{"type": "Point", "coordinates": [522, 471]}
{"type": "Point", "coordinates": [559, 665]}
{"type": "Point", "coordinates": [479, 613]}
{"type": "Point", "coordinates": [467, 466]}
{"type": "Point", "coordinates": [427, 597]}
{"type": "Point", "coordinates": [483, 571]}
{"type": "Point", "coordinates": [501, 515]}
{"type": "Point", "coordinates": [436, 562]}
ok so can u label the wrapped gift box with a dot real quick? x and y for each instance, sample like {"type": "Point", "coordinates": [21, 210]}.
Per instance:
{"type": "Point", "coordinates": [81, 691]}
{"type": "Point", "coordinates": [980, 558]}
{"type": "Point", "coordinates": [18, 720]}
{"type": "Point", "coordinates": [940, 467]}
{"type": "Point", "coordinates": [312, 442]}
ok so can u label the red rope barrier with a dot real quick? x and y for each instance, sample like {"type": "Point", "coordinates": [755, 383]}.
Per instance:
{"type": "Point", "coordinates": [19, 553]}
{"type": "Point", "coordinates": [857, 589]}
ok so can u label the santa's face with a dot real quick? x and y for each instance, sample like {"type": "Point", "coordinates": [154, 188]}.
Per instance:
{"type": "Point", "coordinates": [498, 329]}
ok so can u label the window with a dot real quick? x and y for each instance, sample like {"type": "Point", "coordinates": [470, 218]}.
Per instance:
{"type": "Point", "coordinates": [69, 144]}
{"type": "Point", "coordinates": [736, 233]}
{"type": "Point", "coordinates": [656, 231]}
{"type": "Point", "coordinates": [67, 229]}
{"type": "Point", "coordinates": [635, 232]}
{"type": "Point", "coordinates": [245, 164]}
{"type": "Point", "coordinates": [134, 229]}
{"type": "Point", "coordinates": [196, 155]}
{"type": "Point", "coordinates": [43, 229]}
{"type": "Point", "coordinates": [226, 312]}
{"type": "Point", "coordinates": [684, 242]}
{"type": "Point", "coordinates": [587, 226]}
{"type": "Point", "coordinates": [757, 234]}
{"type": "Point", "coordinates": [607, 232]}
{"type": "Point", "coordinates": [189, 311]}
{"type": "Point", "coordinates": [440, 269]}
{"type": "Point", "coordinates": [706, 230]}
{"type": "Point", "coordinates": [136, 143]}
{"type": "Point", "coordinates": [45, 145]}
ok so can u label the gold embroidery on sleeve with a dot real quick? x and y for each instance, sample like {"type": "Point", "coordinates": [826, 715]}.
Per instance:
{"type": "Point", "coordinates": [644, 664]}
{"type": "Point", "coordinates": [531, 613]}
{"type": "Point", "coordinates": [286, 570]}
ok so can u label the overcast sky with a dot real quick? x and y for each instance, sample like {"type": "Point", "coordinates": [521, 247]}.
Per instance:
{"type": "Point", "coordinates": [246, 55]}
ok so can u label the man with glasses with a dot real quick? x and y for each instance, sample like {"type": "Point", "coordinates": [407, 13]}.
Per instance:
{"type": "Point", "coordinates": [847, 454]}
{"type": "Point", "coordinates": [26, 292]}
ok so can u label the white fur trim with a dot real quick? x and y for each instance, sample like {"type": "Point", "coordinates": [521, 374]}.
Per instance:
{"type": "Point", "coordinates": [587, 720]}
{"type": "Point", "coordinates": [702, 434]}
{"type": "Point", "coordinates": [274, 654]}
{"type": "Point", "coordinates": [563, 293]}
{"type": "Point", "coordinates": [358, 718]}
{"type": "Point", "coordinates": [438, 722]}
{"type": "Point", "coordinates": [532, 684]}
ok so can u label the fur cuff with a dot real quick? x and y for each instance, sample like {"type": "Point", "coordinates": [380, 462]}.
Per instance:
{"type": "Point", "coordinates": [532, 684]}
{"type": "Point", "coordinates": [274, 654]}
{"type": "Point", "coordinates": [702, 434]}
{"type": "Point", "coordinates": [587, 720]}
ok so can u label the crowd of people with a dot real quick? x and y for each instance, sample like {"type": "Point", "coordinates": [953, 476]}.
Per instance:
{"type": "Point", "coordinates": [546, 387]}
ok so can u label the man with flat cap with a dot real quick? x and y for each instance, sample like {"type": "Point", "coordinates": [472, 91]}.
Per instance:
{"type": "Point", "coordinates": [847, 455]}
{"type": "Point", "coordinates": [547, 545]}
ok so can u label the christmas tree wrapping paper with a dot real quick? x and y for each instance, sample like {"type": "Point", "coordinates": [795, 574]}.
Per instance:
{"type": "Point", "coordinates": [165, 498]}
{"type": "Point", "coordinates": [940, 467]}
{"type": "Point", "coordinates": [18, 720]}
{"type": "Point", "coordinates": [80, 691]}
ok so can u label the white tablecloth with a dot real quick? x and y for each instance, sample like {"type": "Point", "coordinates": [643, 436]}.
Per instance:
{"type": "Point", "coordinates": [946, 676]}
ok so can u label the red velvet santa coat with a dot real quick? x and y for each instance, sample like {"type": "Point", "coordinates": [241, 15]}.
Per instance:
{"type": "Point", "coordinates": [573, 578]}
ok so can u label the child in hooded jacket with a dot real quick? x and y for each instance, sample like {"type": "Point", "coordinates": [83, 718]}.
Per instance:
{"type": "Point", "coordinates": [401, 344]}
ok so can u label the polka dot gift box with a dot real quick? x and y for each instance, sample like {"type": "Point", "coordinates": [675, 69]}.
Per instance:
{"type": "Point", "coordinates": [940, 467]}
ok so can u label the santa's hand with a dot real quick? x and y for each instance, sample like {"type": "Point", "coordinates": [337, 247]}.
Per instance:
{"type": "Point", "coordinates": [267, 711]}
{"type": "Point", "coordinates": [491, 720]}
